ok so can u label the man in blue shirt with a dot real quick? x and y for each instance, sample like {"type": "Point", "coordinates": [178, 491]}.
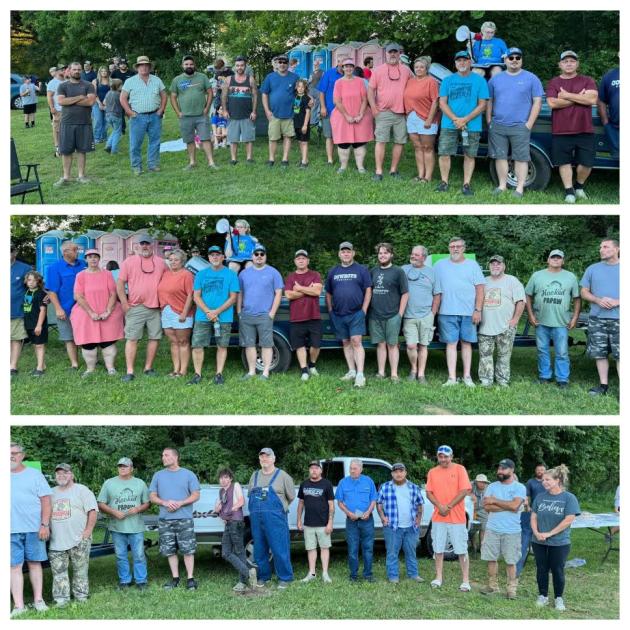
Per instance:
{"type": "Point", "coordinates": [503, 501]}
{"type": "Point", "coordinates": [608, 108]}
{"type": "Point", "coordinates": [60, 287]}
{"type": "Point", "coordinates": [534, 487]}
{"type": "Point", "coordinates": [278, 92]}
{"type": "Point", "coordinates": [326, 88]}
{"type": "Point", "coordinates": [463, 98]}
{"type": "Point", "coordinates": [18, 290]}
{"type": "Point", "coordinates": [356, 497]}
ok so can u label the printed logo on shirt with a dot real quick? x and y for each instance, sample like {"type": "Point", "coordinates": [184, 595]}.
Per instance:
{"type": "Point", "coordinates": [61, 509]}
{"type": "Point", "coordinates": [492, 298]}
{"type": "Point", "coordinates": [213, 285]}
{"type": "Point", "coordinates": [554, 507]}
{"type": "Point", "coordinates": [126, 500]}
{"type": "Point", "coordinates": [345, 277]}
{"type": "Point", "coordinates": [460, 91]}
{"type": "Point", "coordinates": [313, 492]}
{"type": "Point", "coordinates": [553, 293]}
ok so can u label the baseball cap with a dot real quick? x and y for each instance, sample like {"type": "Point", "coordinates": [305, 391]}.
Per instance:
{"type": "Point", "coordinates": [187, 58]}
{"type": "Point", "coordinates": [267, 451]}
{"type": "Point", "coordinates": [315, 463]}
{"type": "Point", "coordinates": [87, 63]}
{"type": "Point", "coordinates": [462, 54]}
{"type": "Point", "coordinates": [65, 467]}
{"type": "Point", "coordinates": [52, 69]}
{"type": "Point", "coordinates": [124, 461]}
{"type": "Point", "coordinates": [282, 58]}
{"type": "Point", "coordinates": [497, 258]}
{"type": "Point", "coordinates": [482, 477]}
{"type": "Point", "coordinates": [513, 51]}
{"type": "Point", "coordinates": [145, 238]}
{"type": "Point", "coordinates": [122, 62]}
{"type": "Point", "coordinates": [92, 251]}
{"type": "Point", "coordinates": [260, 248]}
{"type": "Point", "coordinates": [348, 62]}
{"type": "Point", "coordinates": [346, 245]}
{"type": "Point", "coordinates": [301, 252]}
{"type": "Point", "coordinates": [392, 46]}
{"type": "Point", "coordinates": [214, 248]}
{"type": "Point", "coordinates": [568, 53]}
{"type": "Point", "coordinates": [556, 252]}
{"type": "Point", "coordinates": [506, 463]}
{"type": "Point", "coordinates": [399, 466]}
{"type": "Point", "coordinates": [445, 450]}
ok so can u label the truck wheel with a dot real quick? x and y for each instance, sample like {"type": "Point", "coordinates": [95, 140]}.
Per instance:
{"type": "Point", "coordinates": [538, 174]}
{"type": "Point", "coordinates": [280, 360]}
{"type": "Point", "coordinates": [449, 554]}
{"type": "Point", "coordinates": [16, 102]}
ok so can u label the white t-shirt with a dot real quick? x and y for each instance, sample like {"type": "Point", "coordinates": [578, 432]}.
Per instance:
{"type": "Point", "coordinates": [500, 296]}
{"type": "Point", "coordinates": [69, 515]}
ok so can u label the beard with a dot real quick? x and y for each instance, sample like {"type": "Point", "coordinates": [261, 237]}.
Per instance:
{"type": "Point", "coordinates": [502, 477]}
{"type": "Point", "coordinates": [189, 70]}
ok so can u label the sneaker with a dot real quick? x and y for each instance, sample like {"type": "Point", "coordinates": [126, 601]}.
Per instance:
{"type": "Point", "coordinates": [137, 171]}
{"type": "Point", "coordinates": [450, 382]}
{"type": "Point", "coordinates": [359, 381]}
{"type": "Point", "coordinates": [580, 193]}
{"type": "Point", "coordinates": [486, 383]}
{"type": "Point", "coordinates": [489, 590]}
{"type": "Point", "coordinates": [284, 164]}
{"type": "Point", "coordinates": [282, 585]}
{"type": "Point", "coordinates": [350, 375]}
{"type": "Point", "coordinates": [569, 199]}
{"type": "Point", "coordinates": [467, 190]}
{"type": "Point", "coordinates": [252, 577]}
{"type": "Point", "coordinates": [442, 187]}
{"type": "Point", "coordinates": [218, 379]}
{"type": "Point", "coordinates": [394, 581]}
{"type": "Point", "coordinates": [341, 171]}
{"type": "Point", "coordinates": [37, 373]}
{"type": "Point", "coordinates": [263, 377]}
{"type": "Point", "coordinates": [544, 381]}
{"type": "Point", "coordinates": [394, 379]}
{"type": "Point", "coordinates": [150, 372]}
{"type": "Point", "coordinates": [498, 191]}
{"type": "Point", "coordinates": [353, 578]}
{"type": "Point", "coordinates": [195, 380]}
{"type": "Point", "coordinates": [517, 195]}
{"type": "Point", "coordinates": [59, 183]}
{"type": "Point", "coordinates": [369, 578]}
{"type": "Point", "coordinates": [412, 377]}
{"type": "Point", "coordinates": [40, 606]}
{"type": "Point", "coordinates": [124, 586]}
{"type": "Point", "coordinates": [250, 161]}
{"type": "Point", "coordinates": [395, 175]}
{"type": "Point", "coordinates": [422, 380]}
{"type": "Point", "coordinates": [189, 167]}
{"type": "Point", "coordinates": [191, 584]}
{"type": "Point", "coordinates": [171, 584]}
{"type": "Point", "coordinates": [362, 171]}
{"type": "Point", "coordinates": [127, 378]}
{"type": "Point", "coordinates": [379, 377]}
{"type": "Point", "coordinates": [377, 177]}
{"type": "Point", "coordinates": [468, 381]}
{"type": "Point", "coordinates": [309, 577]}
{"type": "Point", "coordinates": [563, 384]}
{"type": "Point", "coordinates": [542, 601]}
{"type": "Point", "coordinates": [154, 169]}
{"type": "Point", "coordinates": [598, 391]}
{"type": "Point", "coordinates": [465, 587]}
{"type": "Point", "coordinates": [142, 586]}
{"type": "Point", "coordinates": [88, 373]}
{"type": "Point", "coordinates": [234, 163]}
{"type": "Point", "coordinates": [111, 372]}
{"type": "Point", "coordinates": [417, 578]}
{"type": "Point", "coordinates": [270, 163]}
{"type": "Point", "coordinates": [14, 372]}
{"type": "Point", "coordinates": [108, 149]}
{"type": "Point", "coordinates": [247, 376]}
{"type": "Point", "coordinates": [326, 578]}
{"type": "Point", "coordinates": [16, 612]}
{"type": "Point", "coordinates": [83, 180]}
{"type": "Point", "coordinates": [62, 603]}
{"type": "Point", "coordinates": [559, 603]}
{"type": "Point", "coordinates": [313, 371]}
{"type": "Point", "coordinates": [305, 376]}
{"type": "Point", "coordinates": [263, 583]}
{"type": "Point", "coordinates": [213, 167]}
{"type": "Point", "coordinates": [240, 587]}
{"type": "Point", "coordinates": [303, 165]}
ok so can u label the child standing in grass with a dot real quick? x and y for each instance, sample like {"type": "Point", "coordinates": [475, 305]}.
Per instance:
{"type": "Point", "coordinates": [113, 116]}
{"type": "Point", "coordinates": [301, 119]}
{"type": "Point", "coordinates": [219, 129]}
{"type": "Point", "coordinates": [35, 318]}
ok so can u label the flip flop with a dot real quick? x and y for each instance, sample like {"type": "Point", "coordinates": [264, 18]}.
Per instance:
{"type": "Point", "coordinates": [436, 584]}
{"type": "Point", "coordinates": [465, 587]}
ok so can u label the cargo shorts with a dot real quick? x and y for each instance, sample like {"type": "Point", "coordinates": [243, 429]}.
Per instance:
{"type": "Point", "coordinates": [177, 533]}
{"type": "Point", "coordinates": [497, 545]}
{"type": "Point", "coordinates": [603, 338]}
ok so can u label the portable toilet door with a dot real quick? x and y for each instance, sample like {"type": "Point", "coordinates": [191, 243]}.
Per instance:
{"type": "Point", "coordinates": [87, 241]}
{"type": "Point", "coordinates": [165, 244]}
{"type": "Point", "coordinates": [371, 49]}
{"type": "Point", "coordinates": [111, 246]}
{"type": "Point", "coordinates": [325, 55]}
{"type": "Point", "coordinates": [165, 241]}
{"type": "Point", "coordinates": [345, 51]}
{"type": "Point", "coordinates": [303, 55]}
{"type": "Point", "coordinates": [48, 250]}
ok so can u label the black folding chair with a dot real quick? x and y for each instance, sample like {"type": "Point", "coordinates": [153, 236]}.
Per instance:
{"type": "Point", "coordinates": [20, 185]}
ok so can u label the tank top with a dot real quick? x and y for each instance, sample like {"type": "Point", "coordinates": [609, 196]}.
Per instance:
{"type": "Point", "coordinates": [239, 98]}
{"type": "Point", "coordinates": [101, 91]}
{"type": "Point", "coordinates": [227, 501]}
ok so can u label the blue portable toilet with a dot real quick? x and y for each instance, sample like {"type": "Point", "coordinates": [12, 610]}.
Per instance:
{"type": "Point", "coordinates": [303, 55]}
{"type": "Point", "coordinates": [87, 241]}
{"type": "Point", "coordinates": [48, 249]}
{"type": "Point", "coordinates": [324, 53]}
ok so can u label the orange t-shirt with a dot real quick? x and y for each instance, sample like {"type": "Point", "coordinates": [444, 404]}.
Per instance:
{"type": "Point", "coordinates": [419, 96]}
{"type": "Point", "coordinates": [174, 289]}
{"type": "Point", "coordinates": [446, 484]}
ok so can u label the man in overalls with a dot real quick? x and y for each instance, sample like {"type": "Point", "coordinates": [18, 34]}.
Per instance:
{"type": "Point", "coordinates": [270, 492]}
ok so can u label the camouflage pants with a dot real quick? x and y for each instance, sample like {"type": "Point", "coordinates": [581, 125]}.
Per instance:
{"type": "Point", "coordinates": [488, 370]}
{"type": "Point", "coordinates": [59, 562]}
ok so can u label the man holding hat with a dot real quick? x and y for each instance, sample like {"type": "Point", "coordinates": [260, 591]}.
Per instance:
{"type": "Point", "coordinates": [270, 493]}
{"type": "Point", "coordinates": [74, 513]}
{"type": "Point", "coordinates": [302, 288]}
{"type": "Point", "coordinates": [549, 293]}
{"type": "Point", "coordinates": [142, 273]}
{"type": "Point", "coordinates": [503, 305]}
{"type": "Point", "coordinates": [326, 89]}
{"type": "Point", "coordinates": [124, 498]}
{"type": "Point", "coordinates": [503, 502]}
{"type": "Point", "coordinates": [317, 504]}
{"type": "Point", "coordinates": [447, 487]}
{"type": "Point", "coordinates": [571, 97]}
{"type": "Point", "coordinates": [214, 292]}
{"type": "Point", "coordinates": [400, 506]}
{"type": "Point", "coordinates": [256, 305]}
{"type": "Point", "coordinates": [348, 295]}
{"type": "Point", "coordinates": [514, 104]}
{"type": "Point", "coordinates": [191, 98]}
{"type": "Point", "coordinates": [143, 97]}
{"type": "Point", "coordinates": [385, 96]}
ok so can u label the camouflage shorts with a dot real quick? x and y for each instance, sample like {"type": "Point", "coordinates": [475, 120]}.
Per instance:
{"type": "Point", "coordinates": [603, 338]}
{"type": "Point", "coordinates": [178, 533]}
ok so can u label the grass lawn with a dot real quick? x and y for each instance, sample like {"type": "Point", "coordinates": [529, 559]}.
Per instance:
{"type": "Point", "coordinates": [113, 182]}
{"type": "Point", "coordinates": [61, 391]}
{"type": "Point", "coordinates": [592, 591]}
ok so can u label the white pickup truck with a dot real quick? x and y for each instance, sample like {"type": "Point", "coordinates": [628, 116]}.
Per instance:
{"type": "Point", "coordinates": [209, 529]}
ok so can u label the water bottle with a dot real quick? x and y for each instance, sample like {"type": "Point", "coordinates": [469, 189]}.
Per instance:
{"type": "Point", "coordinates": [465, 140]}
{"type": "Point", "coordinates": [217, 328]}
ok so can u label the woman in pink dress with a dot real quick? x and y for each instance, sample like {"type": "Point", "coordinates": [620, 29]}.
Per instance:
{"type": "Point", "coordinates": [97, 317]}
{"type": "Point", "coordinates": [351, 120]}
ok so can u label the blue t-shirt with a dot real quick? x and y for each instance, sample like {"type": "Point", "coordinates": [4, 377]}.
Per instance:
{"type": "Point", "coordinates": [505, 522]}
{"type": "Point", "coordinates": [18, 289]}
{"type": "Point", "coordinates": [423, 285]}
{"type": "Point", "coordinates": [60, 279]}
{"type": "Point", "coordinates": [327, 86]}
{"type": "Point", "coordinates": [458, 282]}
{"type": "Point", "coordinates": [550, 510]}
{"type": "Point", "coordinates": [27, 488]}
{"type": "Point", "coordinates": [219, 121]}
{"type": "Point", "coordinates": [513, 96]}
{"type": "Point", "coordinates": [602, 280]}
{"type": "Point", "coordinates": [489, 51]}
{"type": "Point", "coordinates": [347, 285]}
{"type": "Point", "coordinates": [463, 94]}
{"type": "Point", "coordinates": [609, 94]}
{"type": "Point", "coordinates": [242, 247]}
{"type": "Point", "coordinates": [281, 90]}
{"type": "Point", "coordinates": [259, 288]}
{"type": "Point", "coordinates": [176, 485]}
{"type": "Point", "coordinates": [215, 287]}
{"type": "Point", "coordinates": [356, 494]}
{"type": "Point", "coordinates": [534, 487]}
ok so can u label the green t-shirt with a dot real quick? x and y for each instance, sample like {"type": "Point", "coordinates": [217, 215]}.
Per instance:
{"type": "Point", "coordinates": [191, 91]}
{"type": "Point", "coordinates": [124, 494]}
{"type": "Point", "coordinates": [552, 293]}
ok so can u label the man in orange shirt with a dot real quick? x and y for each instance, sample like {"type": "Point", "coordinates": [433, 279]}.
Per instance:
{"type": "Point", "coordinates": [447, 487]}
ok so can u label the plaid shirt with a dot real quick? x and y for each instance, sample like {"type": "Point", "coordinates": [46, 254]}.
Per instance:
{"type": "Point", "coordinates": [144, 97]}
{"type": "Point", "coordinates": [387, 497]}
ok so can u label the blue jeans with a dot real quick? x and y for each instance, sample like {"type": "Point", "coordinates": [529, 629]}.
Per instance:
{"type": "Point", "coordinates": [98, 122]}
{"type": "Point", "coordinates": [526, 538]}
{"type": "Point", "coordinates": [395, 539]}
{"type": "Point", "coordinates": [612, 133]}
{"type": "Point", "coordinates": [360, 533]}
{"type": "Point", "coordinates": [115, 122]}
{"type": "Point", "coordinates": [139, 126]}
{"type": "Point", "coordinates": [560, 337]}
{"type": "Point", "coordinates": [136, 542]}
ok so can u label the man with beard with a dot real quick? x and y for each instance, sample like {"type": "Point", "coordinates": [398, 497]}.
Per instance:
{"type": "Point", "coordinates": [239, 98]}
{"type": "Point", "coordinates": [76, 98]}
{"type": "Point", "coordinates": [503, 305]}
{"type": "Point", "coordinates": [191, 98]}
{"type": "Point", "coordinates": [122, 72]}
{"type": "Point", "coordinates": [503, 502]}
{"type": "Point", "coordinates": [142, 274]}
{"type": "Point", "coordinates": [534, 487]}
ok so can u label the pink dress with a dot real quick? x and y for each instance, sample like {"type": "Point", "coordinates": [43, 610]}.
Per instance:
{"type": "Point", "coordinates": [351, 93]}
{"type": "Point", "coordinates": [96, 287]}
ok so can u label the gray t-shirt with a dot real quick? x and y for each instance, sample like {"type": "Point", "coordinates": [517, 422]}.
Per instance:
{"type": "Point", "coordinates": [283, 486]}
{"type": "Point", "coordinates": [388, 286]}
{"type": "Point", "coordinates": [70, 510]}
{"type": "Point", "coordinates": [550, 509]}
{"type": "Point", "coordinates": [76, 114]}
{"type": "Point", "coordinates": [112, 103]}
{"type": "Point", "coordinates": [423, 284]}
{"type": "Point", "coordinates": [458, 282]}
{"type": "Point", "coordinates": [175, 485]}
{"type": "Point", "coordinates": [602, 280]}
{"type": "Point", "coordinates": [500, 297]}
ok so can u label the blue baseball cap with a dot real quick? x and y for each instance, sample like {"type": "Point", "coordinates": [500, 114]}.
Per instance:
{"type": "Point", "coordinates": [445, 450]}
{"type": "Point", "coordinates": [513, 51]}
{"type": "Point", "coordinates": [214, 248]}
{"type": "Point", "coordinates": [461, 54]}
{"type": "Point", "coordinates": [260, 248]}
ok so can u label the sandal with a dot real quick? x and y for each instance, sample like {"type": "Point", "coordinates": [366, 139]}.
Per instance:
{"type": "Point", "coordinates": [436, 584]}
{"type": "Point", "coordinates": [465, 587]}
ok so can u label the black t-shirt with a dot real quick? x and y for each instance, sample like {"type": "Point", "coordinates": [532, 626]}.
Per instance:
{"type": "Point", "coordinates": [316, 495]}
{"type": "Point", "coordinates": [300, 105]}
{"type": "Point", "coordinates": [33, 301]}
{"type": "Point", "coordinates": [123, 76]}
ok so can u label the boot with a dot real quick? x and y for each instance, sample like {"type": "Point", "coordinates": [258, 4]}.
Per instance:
{"type": "Point", "coordinates": [511, 588]}
{"type": "Point", "coordinates": [493, 586]}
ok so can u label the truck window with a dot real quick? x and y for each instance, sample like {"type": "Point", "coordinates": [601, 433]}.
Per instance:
{"type": "Point", "coordinates": [378, 473]}
{"type": "Point", "coordinates": [333, 471]}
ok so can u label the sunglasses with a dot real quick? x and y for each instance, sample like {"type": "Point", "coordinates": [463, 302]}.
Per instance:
{"type": "Point", "coordinates": [259, 254]}
{"type": "Point", "coordinates": [514, 57]}
{"type": "Point", "coordinates": [283, 62]}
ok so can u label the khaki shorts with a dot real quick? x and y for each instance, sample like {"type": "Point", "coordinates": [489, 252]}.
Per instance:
{"type": "Point", "coordinates": [18, 332]}
{"type": "Point", "coordinates": [314, 536]}
{"type": "Point", "coordinates": [419, 331]}
{"type": "Point", "coordinates": [385, 330]}
{"type": "Point", "coordinates": [280, 127]}
{"type": "Point", "coordinates": [56, 121]}
{"type": "Point", "coordinates": [140, 316]}
{"type": "Point", "coordinates": [388, 123]}
{"type": "Point", "coordinates": [496, 545]}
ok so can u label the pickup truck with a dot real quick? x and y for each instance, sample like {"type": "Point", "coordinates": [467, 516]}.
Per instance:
{"type": "Point", "coordinates": [209, 529]}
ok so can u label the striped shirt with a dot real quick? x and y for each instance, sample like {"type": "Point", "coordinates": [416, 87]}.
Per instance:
{"type": "Point", "coordinates": [144, 98]}
{"type": "Point", "coordinates": [387, 498]}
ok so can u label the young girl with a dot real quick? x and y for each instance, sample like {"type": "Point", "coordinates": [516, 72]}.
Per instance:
{"type": "Point", "coordinates": [219, 129]}
{"type": "Point", "coordinates": [35, 320]}
{"type": "Point", "coordinates": [301, 119]}
{"type": "Point", "coordinates": [113, 116]}
{"type": "Point", "coordinates": [239, 246]}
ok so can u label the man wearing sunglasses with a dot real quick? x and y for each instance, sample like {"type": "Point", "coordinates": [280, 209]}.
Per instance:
{"type": "Point", "coordinates": [385, 96]}
{"type": "Point", "coordinates": [514, 104]}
